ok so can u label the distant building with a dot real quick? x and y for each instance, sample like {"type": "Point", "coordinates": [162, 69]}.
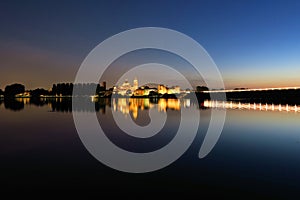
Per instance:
{"type": "Point", "coordinates": [135, 84]}
{"type": "Point", "coordinates": [144, 91]}
{"type": "Point", "coordinates": [139, 92]}
{"type": "Point", "coordinates": [174, 90]}
{"type": "Point", "coordinates": [126, 89]}
{"type": "Point", "coordinates": [161, 89]}
{"type": "Point", "coordinates": [148, 90]}
{"type": "Point", "coordinates": [24, 94]}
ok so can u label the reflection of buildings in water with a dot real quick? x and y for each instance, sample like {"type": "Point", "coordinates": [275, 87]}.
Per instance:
{"type": "Point", "coordinates": [186, 103]}
{"type": "Point", "coordinates": [127, 106]}
{"type": "Point", "coordinates": [121, 105]}
{"type": "Point", "coordinates": [33, 101]}
{"type": "Point", "coordinates": [136, 104]}
{"type": "Point", "coordinates": [133, 105]}
{"type": "Point", "coordinates": [26, 94]}
{"type": "Point", "coordinates": [165, 104]}
{"type": "Point", "coordinates": [23, 100]}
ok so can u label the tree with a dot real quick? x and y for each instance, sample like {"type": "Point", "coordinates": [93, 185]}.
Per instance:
{"type": "Point", "coordinates": [14, 89]}
{"type": "Point", "coordinates": [38, 92]}
{"type": "Point", "coordinates": [63, 89]}
{"type": "Point", "coordinates": [153, 94]}
{"type": "Point", "coordinates": [201, 88]}
{"type": "Point", "coordinates": [100, 89]}
{"type": "Point", "coordinates": [14, 105]}
{"type": "Point", "coordinates": [54, 89]}
{"type": "Point", "coordinates": [68, 89]}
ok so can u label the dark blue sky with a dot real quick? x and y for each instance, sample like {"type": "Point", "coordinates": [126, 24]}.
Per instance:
{"type": "Point", "coordinates": [254, 43]}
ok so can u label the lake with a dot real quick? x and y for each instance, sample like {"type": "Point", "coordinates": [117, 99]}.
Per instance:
{"type": "Point", "coordinates": [257, 154]}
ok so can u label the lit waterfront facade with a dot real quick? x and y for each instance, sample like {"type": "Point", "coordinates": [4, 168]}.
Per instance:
{"type": "Point", "coordinates": [126, 89]}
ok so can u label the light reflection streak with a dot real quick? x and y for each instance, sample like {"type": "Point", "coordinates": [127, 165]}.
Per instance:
{"type": "Point", "coordinates": [251, 106]}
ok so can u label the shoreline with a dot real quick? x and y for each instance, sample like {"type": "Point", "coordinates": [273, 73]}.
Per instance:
{"type": "Point", "coordinates": [290, 96]}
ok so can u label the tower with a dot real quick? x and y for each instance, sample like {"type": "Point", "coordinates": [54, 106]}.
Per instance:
{"type": "Point", "coordinates": [135, 84]}
{"type": "Point", "coordinates": [104, 85]}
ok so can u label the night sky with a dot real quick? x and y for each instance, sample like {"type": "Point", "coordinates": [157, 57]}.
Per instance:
{"type": "Point", "coordinates": [254, 43]}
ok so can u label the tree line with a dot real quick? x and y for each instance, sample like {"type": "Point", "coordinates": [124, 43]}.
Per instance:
{"type": "Point", "coordinates": [66, 89]}
{"type": "Point", "coordinates": [12, 90]}
{"type": "Point", "coordinates": [60, 89]}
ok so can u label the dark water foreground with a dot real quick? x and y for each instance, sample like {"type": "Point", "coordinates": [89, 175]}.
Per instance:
{"type": "Point", "coordinates": [257, 154]}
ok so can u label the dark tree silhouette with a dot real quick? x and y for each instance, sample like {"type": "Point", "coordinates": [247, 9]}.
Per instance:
{"type": "Point", "coordinates": [38, 92]}
{"type": "Point", "coordinates": [63, 89]}
{"type": "Point", "coordinates": [66, 89]}
{"type": "Point", "coordinates": [14, 105]}
{"type": "Point", "coordinates": [63, 105]}
{"type": "Point", "coordinates": [71, 89]}
{"type": "Point", "coordinates": [100, 89]}
{"type": "Point", "coordinates": [59, 90]}
{"type": "Point", "coordinates": [54, 89]}
{"type": "Point", "coordinates": [201, 88]}
{"type": "Point", "coordinates": [82, 89]}
{"type": "Point", "coordinates": [1, 93]}
{"type": "Point", "coordinates": [153, 94]}
{"type": "Point", "coordinates": [12, 90]}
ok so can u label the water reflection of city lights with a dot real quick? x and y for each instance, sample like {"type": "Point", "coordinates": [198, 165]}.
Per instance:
{"type": "Point", "coordinates": [23, 100]}
{"type": "Point", "coordinates": [251, 106]}
{"type": "Point", "coordinates": [132, 106]}
{"type": "Point", "coordinates": [165, 104]}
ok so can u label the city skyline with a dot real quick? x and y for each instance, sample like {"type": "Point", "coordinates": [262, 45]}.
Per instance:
{"type": "Point", "coordinates": [45, 43]}
{"type": "Point", "coordinates": [135, 97]}
{"type": "Point", "coordinates": [125, 84]}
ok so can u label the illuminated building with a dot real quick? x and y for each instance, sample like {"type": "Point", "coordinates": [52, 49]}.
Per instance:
{"type": "Point", "coordinates": [135, 84]}
{"type": "Point", "coordinates": [126, 89]}
{"type": "Point", "coordinates": [148, 90]}
{"type": "Point", "coordinates": [25, 94]}
{"type": "Point", "coordinates": [174, 90]}
{"type": "Point", "coordinates": [139, 92]}
{"type": "Point", "coordinates": [144, 91]}
{"type": "Point", "coordinates": [161, 89]}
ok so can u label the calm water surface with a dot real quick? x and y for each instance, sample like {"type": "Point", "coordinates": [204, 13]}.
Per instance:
{"type": "Point", "coordinates": [258, 152]}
